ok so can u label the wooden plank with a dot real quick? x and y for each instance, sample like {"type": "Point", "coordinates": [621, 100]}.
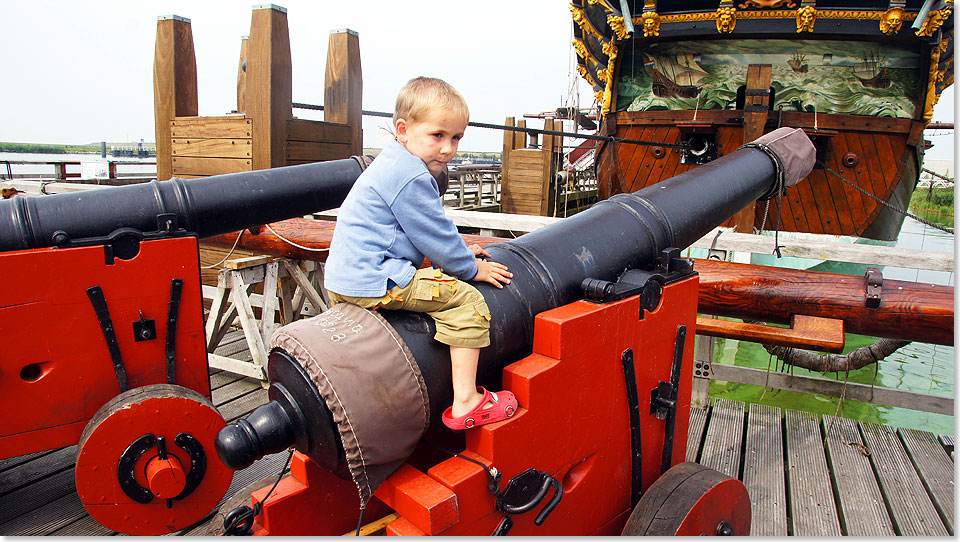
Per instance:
{"type": "Point", "coordinates": [242, 75]}
{"type": "Point", "coordinates": [948, 443]}
{"type": "Point", "coordinates": [243, 405]}
{"type": "Point", "coordinates": [698, 420]}
{"type": "Point", "coordinates": [834, 388]}
{"type": "Point", "coordinates": [188, 165]}
{"type": "Point", "coordinates": [813, 511]}
{"type": "Point", "coordinates": [911, 509]}
{"type": "Point", "coordinates": [226, 127]}
{"type": "Point", "coordinates": [724, 440]}
{"type": "Point", "coordinates": [174, 84]}
{"type": "Point", "coordinates": [27, 473]}
{"type": "Point", "coordinates": [343, 87]}
{"type": "Point", "coordinates": [860, 503]}
{"type": "Point", "coordinates": [22, 500]}
{"type": "Point", "coordinates": [46, 519]}
{"type": "Point", "coordinates": [311, 151]}
{"type": "Point", "coordinates": [85, 526]}
{"type": "Point", "coordinates": [234, 389]}
{"type": "Point", "coordinates": [935, 469]}
{"type": "Point", "coordinates": [829, 250]}
{"type": "Point", "coordinates": [12, 462]}
{"type": "Point", "coordinates": [763, 471]}
{"type": "Point", "coordinates": [811, 332]}
{"type": "Point", "coordinates": [317, 131]}
{"type": "Point", "coordinates": [269, 93]}
{"type": "Point", "coordinates": [212, 148]}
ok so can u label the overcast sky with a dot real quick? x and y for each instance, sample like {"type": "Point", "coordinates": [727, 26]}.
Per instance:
{"type": "Point", "coordinates": [80, 72]}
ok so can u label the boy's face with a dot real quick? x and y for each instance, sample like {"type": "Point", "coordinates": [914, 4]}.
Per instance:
{"type": "Point", "coordinates": [434, 138]}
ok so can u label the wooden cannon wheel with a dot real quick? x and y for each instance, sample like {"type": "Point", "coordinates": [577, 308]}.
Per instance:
{"type": "Point", "coordinates": [690, 500]}
{"type": "Point", "coordinates": [146, 463]}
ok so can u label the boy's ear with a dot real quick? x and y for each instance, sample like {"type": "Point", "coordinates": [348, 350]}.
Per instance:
{"type": "Point", "coordinates": [401, 127]}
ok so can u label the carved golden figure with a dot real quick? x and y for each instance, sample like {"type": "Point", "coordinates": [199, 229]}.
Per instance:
{"type": "Point", "coordinates": [726, 19]}
{"type": "Point", "coordinates": [891, 20]}
{"type": "Point", "coordinates": [651, 24]}
{"type": "Point", "coordinates": [806, 18]}
{"type": "Point", "coordinates": [767, 4]}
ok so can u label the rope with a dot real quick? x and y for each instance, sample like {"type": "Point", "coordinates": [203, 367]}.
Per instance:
{"type": "Point", "coordinates": [234, 247]}
{"type": "Point", "coordinates": [289, 242]}
{"type": "Point", "coordinates": [878, 200]}
{"type": "Point", "coordinates": [247, 515]}
{"type": "Point", "coordinates": [526, 130]}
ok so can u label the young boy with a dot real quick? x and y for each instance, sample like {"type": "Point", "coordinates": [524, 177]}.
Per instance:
{"type": "Point", "coordinates": [393, 217]}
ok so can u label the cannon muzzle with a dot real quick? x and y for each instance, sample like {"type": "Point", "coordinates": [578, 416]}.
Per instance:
{"type": "Point", "coordinates": [625, 232]}
{"type": "Point", "coordinates": [209, 206]}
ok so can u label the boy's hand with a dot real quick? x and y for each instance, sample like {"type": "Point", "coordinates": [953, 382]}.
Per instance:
{"type": "Point", "coordinates": [478, 250]}
{"type": "Point", "coordinates": [493, 272]}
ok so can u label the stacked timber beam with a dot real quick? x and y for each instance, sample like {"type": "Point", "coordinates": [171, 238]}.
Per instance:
{"type": "Point", "coordinates": [263, 133]}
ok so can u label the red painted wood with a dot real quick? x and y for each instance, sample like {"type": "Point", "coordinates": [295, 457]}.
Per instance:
{"type": "Point", "coordinates": [55, 356]}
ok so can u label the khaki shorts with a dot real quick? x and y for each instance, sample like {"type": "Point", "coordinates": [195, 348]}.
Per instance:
{"type": "Point", "coordinates": [459, 310]}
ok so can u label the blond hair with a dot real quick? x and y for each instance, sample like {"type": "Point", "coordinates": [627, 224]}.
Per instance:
{"type": "Point", "coordinates": [421, 94]}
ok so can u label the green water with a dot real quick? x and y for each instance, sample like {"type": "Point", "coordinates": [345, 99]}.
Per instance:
{"type": "Point", "coordinates": [919, 367]}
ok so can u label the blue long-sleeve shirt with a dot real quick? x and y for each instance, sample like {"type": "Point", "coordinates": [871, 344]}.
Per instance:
{"type": "Point", "coordinates": [391, 219]}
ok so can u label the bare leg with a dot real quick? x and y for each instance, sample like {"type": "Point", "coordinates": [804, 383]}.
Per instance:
{"type": "Point", "coordinates": [463, 364]}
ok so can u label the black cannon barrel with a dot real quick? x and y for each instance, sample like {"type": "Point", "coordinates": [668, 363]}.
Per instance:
{"type": "Point", "coordinates": [627, 231]}
{"type": "Point", "coordinates": [209, 206]}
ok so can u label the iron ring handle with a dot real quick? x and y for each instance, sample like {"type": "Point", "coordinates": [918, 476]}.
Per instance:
{"type": "Point", "coordinates": [557, 495]}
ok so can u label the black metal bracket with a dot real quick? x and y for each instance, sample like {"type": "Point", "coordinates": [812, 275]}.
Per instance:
{"type": "Point", "coordinates": [176, 291]}
{"type": "Point", "coordinates": [524, 492]}
{"type": "Point", "coordinates": [99, 302]}
{"type": "Point", "coordinates": [874, 287]}
{"type": "Point", "coordinates": [198, 462]}
{"type": "Point", "coordinates": [636, 451]}
{"type": "Point", "coordinates": [128, 461]}
{"type": "Point", "coordinates": [663, 399]}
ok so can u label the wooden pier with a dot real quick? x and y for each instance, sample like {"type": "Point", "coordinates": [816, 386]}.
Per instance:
{"type": "Point", "coordinates": [807, 475]}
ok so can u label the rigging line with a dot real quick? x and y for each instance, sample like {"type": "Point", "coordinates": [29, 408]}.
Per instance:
{"type": "Point", "coordinates": [878, 200]}
{"type": "Point", "coordinates": [526, 130]}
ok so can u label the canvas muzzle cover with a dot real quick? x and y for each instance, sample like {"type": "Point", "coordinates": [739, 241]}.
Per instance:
{"type": "Point", "coordinates": [369, 381]}
{"type": "Point", "coordinates": [792, 152]}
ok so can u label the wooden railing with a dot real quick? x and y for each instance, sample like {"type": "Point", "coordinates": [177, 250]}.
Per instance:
{"type": "Point", "coordinates": [67, 170]}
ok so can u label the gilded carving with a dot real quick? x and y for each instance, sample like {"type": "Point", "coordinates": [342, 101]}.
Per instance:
{"type": "Point", "coordinates": [891, 20]}
{"type": "Point", "coordinates": [603, 74]}
{"type": "Point", "coordinates": [580, 18]}
{"type": "Point", "coordinates": [586, 76]}
{"type": "Point", "coordinates": [581, 49]}
{"type": "Point", "coordinates": [932, 96]}
{"type": "Point", "coordinates": [602, 3]}
{"type": "Point", "coordinates": [726, 19]}
{"type": "Point", "coordinates": [651, 24]}
{"type": "Point", "coordinates": [610, 50]}
{"type": "Point", "coordinates": [617, 25]}
{"type": "Point", "coordinates": [806, 18]}
{"type": "Point", "coordinates": [763, 4]}
{"type": "Point", "coordinates": [935, 20]}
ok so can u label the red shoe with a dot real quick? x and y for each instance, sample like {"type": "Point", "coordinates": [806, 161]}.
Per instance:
{"type": "Point", "coordinates": [504, 406]}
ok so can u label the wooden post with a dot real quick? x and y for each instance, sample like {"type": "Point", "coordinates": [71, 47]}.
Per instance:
{"type": "Point", "coordinates": [242, 76]}
{"type": "Point", "coordinates": [702, 362]}
{"type": "Point", "coordinates": [507, 143]}
{"type": "Point", "coordinates": [755, 109]}
{"type": "Point", "coordinates": [269, 90]}
{"type": "Point", "coordinates": [547, 147]}
{"type": "Point", "coordinates": [174, 84]}
{"type": "Point", "coordinates": [343, 91]}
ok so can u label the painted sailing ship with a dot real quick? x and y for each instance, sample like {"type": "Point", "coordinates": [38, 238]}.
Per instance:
{"type": "Point", "coordinates": [861, 78]}
{"type": "Point", "coordinates": [872, 73]}
{"type": "Point", "coordinates": [677, 75]}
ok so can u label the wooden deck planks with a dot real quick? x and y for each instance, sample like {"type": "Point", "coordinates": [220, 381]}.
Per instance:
{"type": "Point", "coordinates": [698, 420]}
{"type": "Point", "coordinates": [723, 441]}
{"type": "Point", "coordinates": [911, 509]}
{"type": "Point", "coordinates": [861, 507]}
{"type": "Point", "coordinates": [813, 511]}
{"type": "Point", "coordinates": [763, 471]}
{"type": "Point", "coordinates": [935, 468]}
